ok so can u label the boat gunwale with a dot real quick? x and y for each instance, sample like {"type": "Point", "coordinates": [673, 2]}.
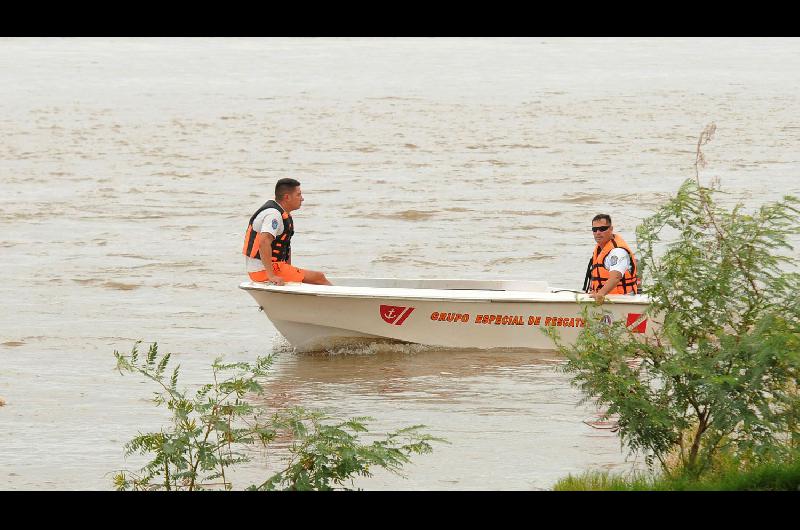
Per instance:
{"type": "Point", "coordinates": [396, 293]}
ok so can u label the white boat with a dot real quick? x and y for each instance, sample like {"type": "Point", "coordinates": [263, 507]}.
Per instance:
{"type": "Point", "coordinates": [482, 314]}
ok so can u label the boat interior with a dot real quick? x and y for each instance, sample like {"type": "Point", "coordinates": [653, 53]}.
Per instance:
{"type": "Point", "coordinates": [452, 284]}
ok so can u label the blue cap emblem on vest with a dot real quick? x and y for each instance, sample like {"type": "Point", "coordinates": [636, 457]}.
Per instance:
{"type": "Point", "coordinates": [274, 224]}
{"type": "Point", "coordinates": [613, 261]}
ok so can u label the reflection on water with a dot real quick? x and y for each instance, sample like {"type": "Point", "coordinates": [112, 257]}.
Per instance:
{"type": "Point", "coordinates": [489, 405]}
{"type": "Point", "coordinates": [125, 193]}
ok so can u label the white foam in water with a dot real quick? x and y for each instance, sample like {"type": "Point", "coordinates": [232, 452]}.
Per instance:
{"type": "Point", "coordinates": [280, 344]}
{"type": "Point", "coordinates": [373, 347]}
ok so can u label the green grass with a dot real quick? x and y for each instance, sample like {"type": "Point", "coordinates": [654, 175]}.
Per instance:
{"type": "Point", "coordinates": [777, 476]}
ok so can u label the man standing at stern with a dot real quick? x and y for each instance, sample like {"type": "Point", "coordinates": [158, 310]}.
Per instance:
{"type": "Point", "coordinates": [612, 267]}
{"type": "Point", "coordinates": [267, 242]}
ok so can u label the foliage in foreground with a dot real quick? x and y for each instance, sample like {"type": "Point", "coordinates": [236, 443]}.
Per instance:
{"type": "Point", "coordinates": [324, 456]}
{"type": "Point", "coordinates": [726, 475]}
{"type": "Point", "coordinates": [720, 379]}
{"type": "Point", "coordinates": [212, 429]}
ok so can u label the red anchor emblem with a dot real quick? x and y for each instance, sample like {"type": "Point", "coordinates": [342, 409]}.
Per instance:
{"type": "Point", "coordinates": [394, 314]}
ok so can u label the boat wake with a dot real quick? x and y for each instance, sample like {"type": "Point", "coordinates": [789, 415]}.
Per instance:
{"type": "Point", "coordinates": [369, 346]}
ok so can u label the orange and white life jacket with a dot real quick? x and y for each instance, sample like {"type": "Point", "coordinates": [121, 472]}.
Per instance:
{"type": "Point", "coordinates": [597, 274]}
{"type": "Point", "coordinates": [281, 245]}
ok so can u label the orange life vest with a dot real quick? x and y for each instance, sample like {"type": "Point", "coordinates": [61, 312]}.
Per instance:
{"type": "Point", "coordinates": [597, 274]}
{"type": "Point", "coordinates": [281, 245]}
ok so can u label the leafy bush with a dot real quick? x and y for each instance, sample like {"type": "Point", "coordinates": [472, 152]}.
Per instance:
{"type": "Point", "coordinates": [721, 375]}
{"type": "Point", "coordinates": [211, 429]}
{"type": "Point", "coordinates": [324, 456]}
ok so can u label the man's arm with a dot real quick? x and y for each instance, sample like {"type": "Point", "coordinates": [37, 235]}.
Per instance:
{"type": "Point", "coordinates": [265, 250]}
{"type": "Point", "coordinates": [613, 279]}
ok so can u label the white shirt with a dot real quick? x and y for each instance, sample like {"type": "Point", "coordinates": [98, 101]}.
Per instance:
{"type": "Point", "coordinates": [269, 221]}
{"type": "Point", "coordinates": [617, 260]}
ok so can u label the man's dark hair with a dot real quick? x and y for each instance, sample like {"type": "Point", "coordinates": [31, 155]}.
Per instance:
{"type": "Point", "coordinates": [600, 216]}
{"type": "Point", "coordinates": [284, 186]}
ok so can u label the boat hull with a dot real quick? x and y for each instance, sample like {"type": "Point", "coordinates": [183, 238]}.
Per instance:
{"type": "Point", "coordinates": [320, 317]}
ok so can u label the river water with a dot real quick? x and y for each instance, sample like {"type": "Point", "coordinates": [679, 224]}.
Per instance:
{"type": "Point", "coordinates": [129, 167]}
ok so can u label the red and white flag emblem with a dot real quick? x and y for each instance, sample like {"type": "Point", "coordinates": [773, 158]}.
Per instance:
{"type": "Point", "coordinates": [394, 314]}
{"type": "Point", "coordinates": [632, 318]}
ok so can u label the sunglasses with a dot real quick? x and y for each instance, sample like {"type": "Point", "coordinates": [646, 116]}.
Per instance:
{"type": "Point", "coordinates": [600, 228]}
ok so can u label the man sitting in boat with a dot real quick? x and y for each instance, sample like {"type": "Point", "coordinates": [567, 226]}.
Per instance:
{"type": "Point", "coordinates": [272, 227]}
{"type": "Point", "coordinates": [612, 267]}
